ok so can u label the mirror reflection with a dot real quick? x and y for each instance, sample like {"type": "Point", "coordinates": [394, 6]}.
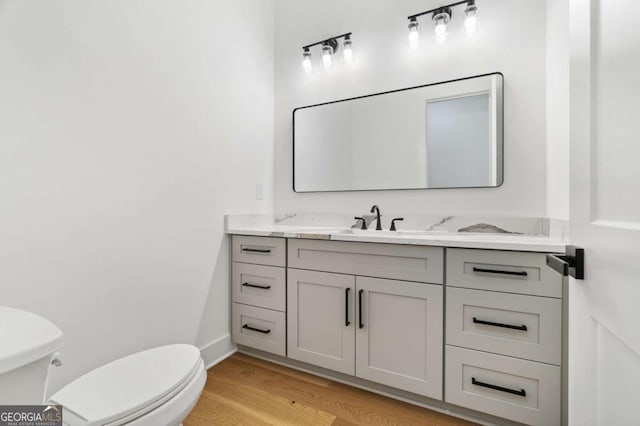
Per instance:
{"type": "Point", "coordinates": [444, 135]}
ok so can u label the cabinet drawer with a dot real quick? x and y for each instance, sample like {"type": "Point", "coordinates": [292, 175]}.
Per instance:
{"type": "Point", "coordinates": [506, 271]}
{"type": "Point", "coordinates": [401, 262]}
{"type": "Point", "coordinates": [258, 285]}
{"type": "Point", "coordinates": [259, 250]}
{"type": "Point", "coordinates": [259, 328]}
{"type": "Point", "coordinates": [527, 327]}
{"type": "Point", "coordinates": [515, 389]}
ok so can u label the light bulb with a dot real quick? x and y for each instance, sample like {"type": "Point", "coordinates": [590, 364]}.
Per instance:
{"type": "Point", "coordinates": [306, 61]}
{"type": "Point", "coordinates": [441, 31]}
{"type": "Point", "coordinates": [347, 50]}
{"type": "Point", "coordinates": [414, 34]}
{"type": "Point", "coordinates": [471, 19]}
{"type": "Point", "coordinates": [327, 52]}
{"type": "Point", "coordinates": [442, 19]}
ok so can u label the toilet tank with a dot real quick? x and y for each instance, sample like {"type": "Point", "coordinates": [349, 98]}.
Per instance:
{"type": "Point", "coordinates": [27, 345]}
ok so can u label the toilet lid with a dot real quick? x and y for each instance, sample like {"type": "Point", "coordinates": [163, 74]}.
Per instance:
{"type": "Point", "coordinates": [129, 385]}
{"type": "Point", "coordinates": [24, 338]}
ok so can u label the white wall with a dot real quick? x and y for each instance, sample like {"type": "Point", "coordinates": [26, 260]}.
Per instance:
{"type": "Point", "coordinates": [557, 76]}
{"type": "Point", "coordinates": [511, 39]}
{"type": "Point", "coordinates": [128, 128]}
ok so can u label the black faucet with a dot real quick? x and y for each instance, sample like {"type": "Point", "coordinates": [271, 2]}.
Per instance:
{"type": "Point", "coordinates": [376, 209]}
{"type": "Point", "coordinates": [393, 223]}
{"type": "Point", "coordinates": [364, 223]}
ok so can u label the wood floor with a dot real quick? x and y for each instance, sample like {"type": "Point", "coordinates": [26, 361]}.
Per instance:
{"type": "Point", "coordinates": [243, 390]}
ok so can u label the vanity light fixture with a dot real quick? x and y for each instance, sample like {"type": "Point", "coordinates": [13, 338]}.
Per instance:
{"type": "Point", "coordinates": [414, 33]}
{"type": "Point", "coordinates": [329, 48]}
{"type": "Point", "coordinates": [347, 49]}
{"type": "Point", "coordinates": [307, 65]}
{"type": "Point", "coordinates": [441, 16]}
{"type": "Point", "coordinates": [470, 20]}
{"type": "Point", "coordinates": [327, 55]}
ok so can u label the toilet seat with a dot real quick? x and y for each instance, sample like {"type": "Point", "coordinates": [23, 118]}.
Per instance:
{"type": "Point", "coordinates": [130, 387]}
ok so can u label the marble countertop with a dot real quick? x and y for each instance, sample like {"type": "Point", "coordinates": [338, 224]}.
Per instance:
{"type": "Point", "coordinates": [493, 241]}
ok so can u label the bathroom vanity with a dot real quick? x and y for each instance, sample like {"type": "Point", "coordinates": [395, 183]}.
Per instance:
{"type": "Point", "coordinates": [467, 324]}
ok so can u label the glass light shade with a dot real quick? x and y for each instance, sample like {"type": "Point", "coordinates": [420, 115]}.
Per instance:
{"type": "Point", "coordinates": [347, 51]}
{"type": "Point", "coordinates": [470, 20]}
{"type": "Point", "coordinates": [327, 59]}
{"type": "Point", "coordinates": [306, 62]}
{"type": "Point", "coordinates": [441, 28]}
{"type": "Point", "coordinates": [414, 34]}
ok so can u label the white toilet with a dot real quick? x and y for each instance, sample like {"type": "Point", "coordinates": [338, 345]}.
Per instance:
{"type": "Point", "coordinates": [158, 386]}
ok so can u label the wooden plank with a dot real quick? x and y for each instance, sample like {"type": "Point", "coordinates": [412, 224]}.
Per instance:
{"type": "Point", "coordinates": [268, 407]}
{"type": "Point", "coordinates": [246, 391]}
{"type": "Point", "coordinates": [212, 410]}
{"type": "Point", "coordinates": [295, 374]}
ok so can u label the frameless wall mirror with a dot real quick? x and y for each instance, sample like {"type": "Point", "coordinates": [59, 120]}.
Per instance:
{"type": "Point", "coordinates": [443, 135]}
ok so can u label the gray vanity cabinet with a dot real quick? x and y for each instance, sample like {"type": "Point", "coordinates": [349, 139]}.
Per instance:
{"type": "Point", "coordinates": [385, 330]}
{"type": "Point", "coordinates": [504, 335]}
{"type": "Point", "coordinates": [258, 280]}
{"type": "Point", "coordinates": [399, 334]}
{"type": "Point", "coordinates": [378, 312]}
{"type": "Point", "coordinates": [394, 261]}
{"type": "Point", "coordinates": [382, 330]}
{"type": "Point", "coordinates": [320, 319]}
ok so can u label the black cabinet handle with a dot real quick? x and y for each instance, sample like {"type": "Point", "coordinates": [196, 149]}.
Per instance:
{"type": "Point", "coordinates": [263, 287]}
{"type": "Point", "coordinates": [360, 322]}
{"type": "Point", "coordinates": [497, 324]}
{"type": "Point", "coordinates": [255, 250]}
{"type": "Point", "coordinates": [347, 323]}
{"type": "Point", "coordinates": [259, 330]}
{"type": "Point", "coordinates": [498, 271]}
{"type": "Point", "coordinates": [520, 392]}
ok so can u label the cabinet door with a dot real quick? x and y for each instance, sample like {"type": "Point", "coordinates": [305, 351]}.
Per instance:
{"type": "Point", "coordinates": [320, 319]}
{"type": "Point", "coordinates": [399, 334]}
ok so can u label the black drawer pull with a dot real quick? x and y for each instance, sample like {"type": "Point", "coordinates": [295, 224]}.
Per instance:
{"type": "Point", "coordinates": [347, 323]}
{"type": "Point", "coordinates": [360, 322]}
{"type": "Point", "coordinates": [255, 250]}
{"type": "Point", "coordinates": [498, 271]}
{"type": "Point", "coordinates": [520, 392]}
{"type": "Point", "coordinates": [263, 287]}
{"type": "Point", "coordinates": [259, 330]}
{"type": "Point", "coordinates": [497, 324]}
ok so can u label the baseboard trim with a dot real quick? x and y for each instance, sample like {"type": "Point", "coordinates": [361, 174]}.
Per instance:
{"type": "Point", "coordinates": [217, 351]}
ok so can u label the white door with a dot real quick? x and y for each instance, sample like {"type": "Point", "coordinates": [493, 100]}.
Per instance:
{"type": "Point", "coordinates": [399, 334]}
{"type": "Point", "coordinates": [320, 326]}
{"type": "Point", "coordinates": [604, 309]}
